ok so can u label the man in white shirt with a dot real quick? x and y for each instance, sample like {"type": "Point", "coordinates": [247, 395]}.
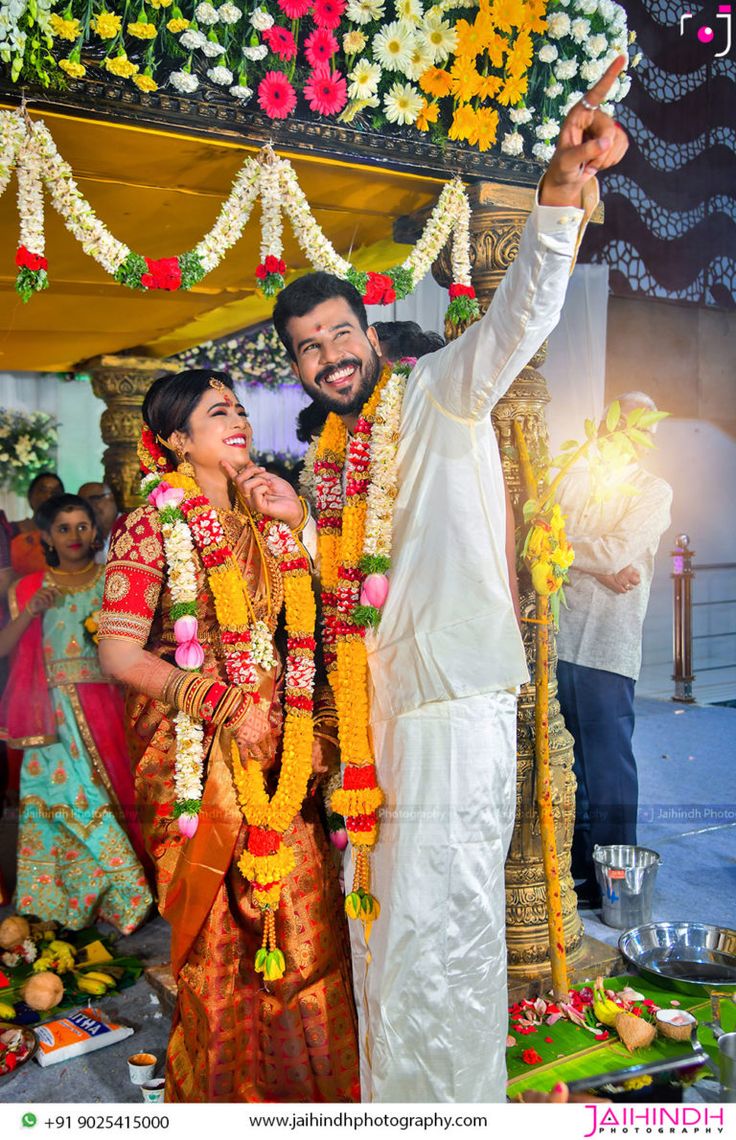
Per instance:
{"type": "Point", "coordinates": [101, 498]}
{"type": "Point", "coordinates": [447, 657]}
{"type": "Point", "coordinates": [599, 647]}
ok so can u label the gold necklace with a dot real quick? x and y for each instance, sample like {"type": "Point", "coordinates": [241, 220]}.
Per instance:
{"type": "Point", "coordinates": [73, 573]}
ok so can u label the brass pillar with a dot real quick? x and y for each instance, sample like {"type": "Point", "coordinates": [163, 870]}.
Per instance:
{"type": "Point", "coordinates": [498, 217]}
{"type": "Point", "coordinates": [122, 382]}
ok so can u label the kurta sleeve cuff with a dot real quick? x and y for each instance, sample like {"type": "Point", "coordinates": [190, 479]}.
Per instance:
{"type": "Point", "coordinates": [562, 227]}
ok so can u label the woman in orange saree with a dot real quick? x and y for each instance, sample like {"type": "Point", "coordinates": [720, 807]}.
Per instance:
{"type": "Point", "coordinates": [236, 1036]}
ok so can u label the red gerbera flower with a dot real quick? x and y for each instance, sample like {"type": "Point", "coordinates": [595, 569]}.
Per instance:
{"type": "Point", "coordinates": [327, 13]}
{"type": "Point", "coordinates": [276, 95]}
{"type": "Point", "coordinates": [319, 47]}
{"type": "Point", "coordinates": [294, 9]}
{"type": "Point", "coordinates": [326, 91]}
{"type": "Point", "coordinates": [280, 41]}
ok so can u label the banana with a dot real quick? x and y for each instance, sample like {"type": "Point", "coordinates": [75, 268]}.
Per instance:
{"type": "Point", "coordinates": [7, 1012]}
{"type": "Point", "coordinates": [605, 1010]}
{"type": "Point", "coordinates": [99, 976]}
{"type": "Point", "coordinates": [90, 986]}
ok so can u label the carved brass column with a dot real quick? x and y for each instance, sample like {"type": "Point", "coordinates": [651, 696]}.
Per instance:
{"type": "Point", "coordinates": [499, 213]}
{"type": "Point", "coordinates": [122, 382]}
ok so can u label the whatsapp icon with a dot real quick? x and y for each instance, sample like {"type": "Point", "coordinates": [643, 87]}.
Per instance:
{"type": "Point", "coordinates": [28, 1120]}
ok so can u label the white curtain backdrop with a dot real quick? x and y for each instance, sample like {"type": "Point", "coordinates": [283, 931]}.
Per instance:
{"type": "Point", "coordinates": [273, 416]}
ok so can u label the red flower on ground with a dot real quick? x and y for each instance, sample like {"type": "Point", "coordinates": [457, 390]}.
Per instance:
{"type": "Point", "coordinates": [162, 274]}
{"type": "Point", "coordinates": [319, 47]}
{"type": "Point", "coordinates": [456, 290]}
{"type": "Point", "coordinates": [326, 92]}
{"type": "Point", "coordinates": [328, 13]}
{"type": "Point", "coordinates": [280, 41]}
{"type": "Point", "coordinates": [24, 259]}
{"type": "Point", "coordinates": [276, 96]}
{"type": "Point", "coordinates": [294, 9]}
{"type": "Point", "coordinates": [379, 290]}
{"type": "Point", "coordinates": [530, 1057]}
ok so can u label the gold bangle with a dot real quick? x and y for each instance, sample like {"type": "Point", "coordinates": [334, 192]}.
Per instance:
{"type": "Point", "coordinates": [323, 736]}
{"type": "Point", "coordinates": [305, 515]}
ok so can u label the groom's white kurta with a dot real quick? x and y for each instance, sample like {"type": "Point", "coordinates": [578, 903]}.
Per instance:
{"type": "Point", "coordinates": [445, 664]}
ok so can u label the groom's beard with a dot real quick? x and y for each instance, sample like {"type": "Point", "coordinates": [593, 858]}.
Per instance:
{"type": "Point", "coordinates": [352, 402]}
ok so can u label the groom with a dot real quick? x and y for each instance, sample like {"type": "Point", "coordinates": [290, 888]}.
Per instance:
{"type": "Point", "coordinates": [447, 658]}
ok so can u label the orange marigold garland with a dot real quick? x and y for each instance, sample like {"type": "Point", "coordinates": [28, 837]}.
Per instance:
{"type": "Point", "coordinates": [348, 558]}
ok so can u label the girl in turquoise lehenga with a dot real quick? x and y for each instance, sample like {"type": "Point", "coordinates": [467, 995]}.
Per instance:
{"type": "Point", "coordinates": [78, 833]}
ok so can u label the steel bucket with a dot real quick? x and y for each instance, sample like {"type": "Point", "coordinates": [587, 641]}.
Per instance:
{"type": "Point", "coordinates": [626, 876]}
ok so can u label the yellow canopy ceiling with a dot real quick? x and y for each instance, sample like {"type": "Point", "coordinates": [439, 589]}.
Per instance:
{"type": "Point", "coordinates": [159, 193]}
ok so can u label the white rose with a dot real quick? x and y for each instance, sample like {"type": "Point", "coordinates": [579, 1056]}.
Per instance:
{"type": "Point", "coordinates": [548, 53]}
{"type": "Point", "coordinates": [558, 25]}
{"type": "Point", "coordinates": [580, 29]}
{"type": "Point", "coordinates": [512, 144]}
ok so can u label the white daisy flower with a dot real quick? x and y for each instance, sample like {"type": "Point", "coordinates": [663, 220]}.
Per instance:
{"type": "Point", "coordinates": [409, 10]}
{"type": "Point", "coordinates": [512, 143]}
{"type": "Point", "coordinates": [421, 60]}
{"type": "Point", "coordinates": [364, 79]}
{"type": "Point", "coordinates": [365, 11]}
{"type": "Point", "coordinates": [393, 46]}
{"type": "Point", "coordinates": [402, 103]}
{"type": "Point", "coordinates": [440, 37]}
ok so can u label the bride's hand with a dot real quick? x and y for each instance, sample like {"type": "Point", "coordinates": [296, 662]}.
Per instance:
{"type": "Point", "coordinates": [253, 729]}
{"type": "Point", "coordinates": [265, 493]}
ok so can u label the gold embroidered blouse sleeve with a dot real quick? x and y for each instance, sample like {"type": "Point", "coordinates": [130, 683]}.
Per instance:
{"type": "Point", "coordinates": [134, 578]}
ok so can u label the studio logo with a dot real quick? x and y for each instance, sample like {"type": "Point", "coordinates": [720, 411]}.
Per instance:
{"type": "Point", "coordinates": [707, 34]}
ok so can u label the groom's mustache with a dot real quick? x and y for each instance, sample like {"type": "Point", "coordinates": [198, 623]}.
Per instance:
{"type": "Point", "coordinates": [331, 369]}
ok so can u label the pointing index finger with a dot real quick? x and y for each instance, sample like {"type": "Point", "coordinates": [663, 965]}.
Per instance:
{"type": "Point", "coordinates": [599, 90]}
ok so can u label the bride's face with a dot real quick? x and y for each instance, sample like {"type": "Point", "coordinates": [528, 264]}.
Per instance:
{"type": "Point", "coordinates": [218, 430]}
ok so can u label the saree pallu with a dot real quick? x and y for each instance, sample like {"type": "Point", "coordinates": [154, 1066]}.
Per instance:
{"type": "Point", "coordinates": [234, 1037]}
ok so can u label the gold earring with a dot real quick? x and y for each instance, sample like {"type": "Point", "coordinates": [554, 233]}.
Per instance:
{"type": "Point", "coordinates": [183, 466]}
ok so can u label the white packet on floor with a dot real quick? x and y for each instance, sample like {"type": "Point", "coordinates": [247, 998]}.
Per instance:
{"type": "Point", "coordinates": [81, 1032]}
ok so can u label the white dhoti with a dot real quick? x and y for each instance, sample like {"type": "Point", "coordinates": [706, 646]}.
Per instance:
{"type": "Point", "coordinates": [431, 984]}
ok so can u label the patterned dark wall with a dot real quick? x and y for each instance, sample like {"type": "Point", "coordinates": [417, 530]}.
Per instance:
{"type": "Point", "coordinates": [670, 227]}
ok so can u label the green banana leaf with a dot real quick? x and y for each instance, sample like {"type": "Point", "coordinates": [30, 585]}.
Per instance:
{"type": "Point", "coordinates": [572, 1053]}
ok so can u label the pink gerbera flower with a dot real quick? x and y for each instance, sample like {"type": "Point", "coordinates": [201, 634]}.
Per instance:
{"type": "Point", "coordinates": [276, 95]}
{"type": "Point", "coordinates": [326, 91]}
{"type": "Point", "coordinates": [280, 41]}
{"type": "Point", "coordinates": [327, 13]}
{"type": "Point", "coordinates": [319, 47]}
{"type": "Point", "coordinates": [294, 9]}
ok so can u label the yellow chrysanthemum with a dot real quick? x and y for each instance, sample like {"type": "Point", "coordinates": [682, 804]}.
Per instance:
{"type": "Point", "coordinates": [507, 14]}
{"type": "Point", "coordinates": [107, 25]}
{"type": "Point", "coordinates": [485, 127]}
{"type": "Point", "coordinates": [160, 3]}
{"type": "Point", "coordinates": [178, 25]}
{"type": "Point", "coordinates": [122, 66]}
{"type": "Point", "coordinates": [427, 115]}
{"type": "Point", "coordinates": [436, 82]}
{"type": "Point", "coordinates": [64, 29]}
{"type": "Point", "coordinates": [73, 69]}
{"type": "Point", "coordinates": [489, 86]}
{"type": "Point", "coordinates": [520, 57]}
{"type": "Point", "coordinates": [142, 31]}
{"type": "Point", "coordinates": [145, 83]}
{"type": "Point", "coordinates": [472, 38]}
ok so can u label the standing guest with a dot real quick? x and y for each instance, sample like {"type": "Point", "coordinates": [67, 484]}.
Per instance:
{"type": "Point", "coordinates": [101, 498]}
{"type": "Point", "coordinates": [26, 552]}
{"type": "Point", "coordinates": [76, 863]}
{"type": "Point", "coordinates": [440, 710]}
{"type": "Point", "coordinates": [236, 1036]}
{"type": "Point", "coordinates": [599, 646]}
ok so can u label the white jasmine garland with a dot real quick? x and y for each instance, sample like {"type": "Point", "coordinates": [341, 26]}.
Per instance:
{"type": "Point", "coordinates": [232, 218]}
{"type": "Point", "coordinates": [30, 204]}
{"type": "Point", "coordinates": [188, 770]}
{"type": "Point", "coordinates": [512, 143]}
{"type": "Point", "coordinates": [12, 137]}
{"type": "Point", "coordinates": [384, 483]}
{"type": "Point", "coordinates": [220, 75]}
{"type": "Point", "coordinates": [319, 250]}
{"type": "Point", "coordinates": [271, 225]}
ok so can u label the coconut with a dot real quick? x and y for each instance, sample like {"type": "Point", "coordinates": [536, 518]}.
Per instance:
{"type": "Point", "coordinates": [634, 1031]}
{"type": "Point", "coordinates": [43, 991]}
{"type": "Point", "coordinates": [13, 932]}
{"type": "Point", "coordinates": [676, 1024]}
